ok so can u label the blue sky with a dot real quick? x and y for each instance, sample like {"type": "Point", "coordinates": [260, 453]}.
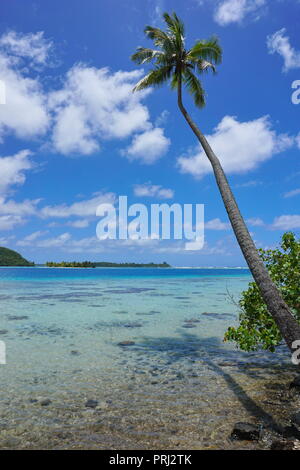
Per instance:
{"type": "Point", "coordinates": [73, 135]}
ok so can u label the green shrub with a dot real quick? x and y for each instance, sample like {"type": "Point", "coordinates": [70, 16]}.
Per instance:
{"type": "Point", "coordinates": [257, 329]}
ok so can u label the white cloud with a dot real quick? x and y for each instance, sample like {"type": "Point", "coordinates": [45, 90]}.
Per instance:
{"type": "Point", "coordinates": [5, 241]}
{"type": "Point", "coordinates": [162, 118]}
{"type": "Point", "coordinates": [72, 133]}
{"type": "Point", "coordinates": [26, 207]}
{"type": "Point", "coordinates": [255, 222]}
{"type": "Point", "coordinates": [217, 224]}
{"type": "Point", "coordinates": [68, 244]}
{"type": "Point", "coordinates": [59, 241]}
{"type": "Point", "coordinates": [153, 190]}
{"type": "Point", "coordinates": [220, 248]}
{"type": "Point", "coordinates": [240, 146]}
{"type": "Point", "coordinates": [80, 223]}
{"type": "Point", "coordinates": [8, 222]}
{"type": "Point", "coordinates": [292, 193]}
{"type": "Point", "coordinates": [83, 208]}
{"type": "Point", "coordinates": [280, 43]}
{"type": "Point", "coordinates": [24, 113]}
{"type": "Point", "coordinates": [12, 169]}
{"type": "Point", "coordinates": [249, 184]}
{"type": "Point", "coordinates": [148, 146]}
{"type": "Point", "coordinates": [286, 222]}
{"type": "Point", "coordinates": [157, 10]}
{"type": "Point", "coordinates": [85, 245]}
{"type": "Point", "coordinates": [32, 46]}
{"type": "Point", "coordinates": [95, 105]}
{"type": "Point", "coordinates": [29, 239]}
{"type": "Point", "coordinates": [234, 11]}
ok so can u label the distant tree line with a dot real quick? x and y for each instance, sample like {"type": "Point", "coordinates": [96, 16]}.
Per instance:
{"type": "Point", "coordinates": [71, 264]}
{"type": "Point", "coordinates": [104, 264]}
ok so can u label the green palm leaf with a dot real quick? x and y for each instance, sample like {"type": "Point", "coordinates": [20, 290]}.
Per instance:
{"type": "Point", "coordinates": [144, 55]}
{"type": "Point", "coordinates": [155, 77]}
{"type": "Point", "coordinates": [173, 62]}
{"type": "Point", "coordinates": [203, 66]}
{"type": "Point", "coordinates": [194, 87]}
{"type": "Point", "coordinates": [209, 50]}
{"type": "Point", "coordinates": [160, 39]}
{"type": "Point", "coordinates": [175, 25]}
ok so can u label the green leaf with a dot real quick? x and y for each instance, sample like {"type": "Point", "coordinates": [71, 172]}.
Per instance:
{"type": "Point", "coordinates": [144, 55]}
{"type": "Point", "coordinates": [194, 87]}
{"type": "Point", "coordinates": [209, 50]}
{"type": "Point", "coordinates": [257, 328]}
{"type": "Point", "coordinates": [155, 77]}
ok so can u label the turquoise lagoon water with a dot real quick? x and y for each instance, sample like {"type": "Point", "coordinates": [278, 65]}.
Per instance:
{"type": "Point", "coordinates": [178, 385]}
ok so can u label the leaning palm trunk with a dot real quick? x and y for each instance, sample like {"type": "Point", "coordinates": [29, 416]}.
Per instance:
{"type": "Point", "coordinates": [288, 327]}
{"type": "Point", "coordinates": [174, 63]}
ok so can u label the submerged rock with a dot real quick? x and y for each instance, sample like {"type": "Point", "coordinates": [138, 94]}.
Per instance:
{"type": "Point", "coordinates": [11, 442]}
{"type": "Point", "coordinates": [152, 312]}
{"type": "Point", "coordinates": [91, 403]}
{"type": "Point", "coordinates": [74, 352]}
{"type": "Point", "coordinates": [133, 325]}
{"type": "Point", "coordinates": [295, 419]}
{"type": "Point", "coordinates": [17, 317]}
{"type": "Point", "coordinates": [102, 405]}
{"type": "Point", "coordinates": [45, 402]}
{"type": "Point", "coordinates": [246, 432]}
{"type": "Point", "coordinates": [285, 445]}
{"type": "Point", "coordinates": [295, 384]}
{"type": "Point", "coordinates": [116, 324]}
{"type": "Point", "coordinates": [226, 364]}
{"type": "Point", "coordinates": [126, 343]}
{"type": "Point", "coordinates": [294, 429]}
{"type": "Point", "coordinates": [3, 332]}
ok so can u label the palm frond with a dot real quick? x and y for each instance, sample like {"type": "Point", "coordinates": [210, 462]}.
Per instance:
{"type": "Point", "coordinates": [174, 24]}
{"type": "Point", "coordinates": [174, 81]}
{"type": "Point", "coordinates": [156, 77]}
{"type": "Point", "coordinates": [144, 55]}
{"type": "Point", "coordinates": [209, 50]}
{"type": "Point", "coordinates": [160, 38]}
{"type": "Point", "coordinates": [205, 66]}
{"type": "Point", "coordinates": [202, 65]}
{"type": "Point", "coordinates": [171, 61]}
{"type": "Point", "coordinates": [194, 87]}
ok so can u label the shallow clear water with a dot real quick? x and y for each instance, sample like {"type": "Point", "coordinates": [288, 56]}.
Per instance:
{"type": "Point", "coordinates": [177, 385]}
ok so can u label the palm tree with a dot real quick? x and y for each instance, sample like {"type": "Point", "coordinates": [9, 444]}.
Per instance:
{"type": "Point", "coordinates": [172, 61]}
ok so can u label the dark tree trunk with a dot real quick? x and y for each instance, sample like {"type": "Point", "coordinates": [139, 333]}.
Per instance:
{"type": "Point", "coordinates": [281, 313]}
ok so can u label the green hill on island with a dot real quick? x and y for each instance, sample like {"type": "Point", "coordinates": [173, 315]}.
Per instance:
{"type": "Point", "coordinates": [12, 258]}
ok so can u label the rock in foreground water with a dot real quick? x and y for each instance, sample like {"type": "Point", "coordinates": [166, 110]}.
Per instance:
{"type": "Point", "coordinates": [91, 403]}
{"type": "Point", "coordinates": [295, 384]}
{"type": "Point", "coordinates": [246, 432]}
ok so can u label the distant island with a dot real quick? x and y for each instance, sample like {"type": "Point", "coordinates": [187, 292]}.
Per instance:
{"type": "Point", "coordinates": [12, 258]}
{"type": "Point", "coordinates": [71, 264]}
{"type": "Point", "coordinates": [104, 264]}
